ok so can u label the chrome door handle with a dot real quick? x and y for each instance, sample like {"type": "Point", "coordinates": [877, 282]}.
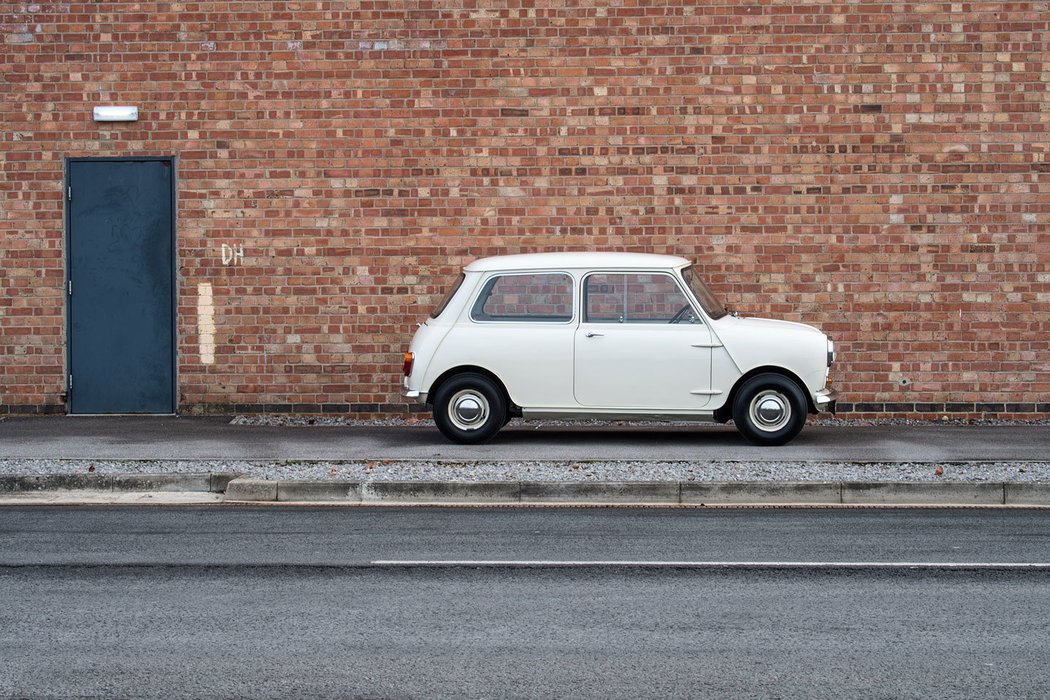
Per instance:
{"type": "Point", "coordinates": [595, 335]}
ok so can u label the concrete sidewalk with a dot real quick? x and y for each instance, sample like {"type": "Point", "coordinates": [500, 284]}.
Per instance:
{"type": "Point", "coordinates": [82, 459]}
{"type": "Point", "coordinates": [213, 438]}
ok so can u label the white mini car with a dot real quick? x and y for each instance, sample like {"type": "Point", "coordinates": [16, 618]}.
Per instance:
{"type": "Point", "coordinates": [610, 336]}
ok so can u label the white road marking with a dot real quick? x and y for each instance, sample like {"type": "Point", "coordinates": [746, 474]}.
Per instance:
{"type": "Point", "coordinates": [540, 563]}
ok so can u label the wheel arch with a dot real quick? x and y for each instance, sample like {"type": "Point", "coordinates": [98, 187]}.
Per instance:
{"type": "Point", "coordinates": [725, 411]}
{"type": "Point", "coordinates": [512, 408]}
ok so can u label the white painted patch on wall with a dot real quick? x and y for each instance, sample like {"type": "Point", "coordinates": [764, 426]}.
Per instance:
{"type": "Point", "coordinates": [206, 323]}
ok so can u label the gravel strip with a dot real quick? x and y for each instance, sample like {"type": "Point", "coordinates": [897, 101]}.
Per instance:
{"type": "Point", "coordinates": [578, 471]}
{"type": "Point", "coordinates": [324, 421]}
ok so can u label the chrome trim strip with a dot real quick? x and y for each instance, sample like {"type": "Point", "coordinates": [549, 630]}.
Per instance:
{"type": "Point", "coordinates": [705, 392]}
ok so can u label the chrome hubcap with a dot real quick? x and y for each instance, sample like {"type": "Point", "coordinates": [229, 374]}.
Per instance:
{"type": "Point", "coordinates": [468, 409]}
{"type": "Point", "coordinates": [770, 411]}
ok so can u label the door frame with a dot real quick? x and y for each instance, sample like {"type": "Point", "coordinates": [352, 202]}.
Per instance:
{"type": "Point", "coordinates": [67, 218]}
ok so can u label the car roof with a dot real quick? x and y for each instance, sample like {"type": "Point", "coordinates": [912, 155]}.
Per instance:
{"type": "Point", "coordinates": [576, 260]}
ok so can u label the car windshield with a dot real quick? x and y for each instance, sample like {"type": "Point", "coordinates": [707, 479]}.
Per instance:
{"type": "Point", "coordinates": [705, 296]}
{"type": "Point", "coordinates": [448, 297]}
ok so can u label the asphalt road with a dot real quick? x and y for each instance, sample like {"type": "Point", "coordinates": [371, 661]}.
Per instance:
{"type": "Point", "coordinates": [209, 438]}
{"type": "Point", "coordinates": [219, 603]}
{"type": "Point", "coordinates": [334, 536]}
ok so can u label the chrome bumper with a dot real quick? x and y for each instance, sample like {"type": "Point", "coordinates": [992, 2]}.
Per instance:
{"type": "Point", "coordinates": [419, 396]}
{"type": "Point", "coordinates": [826, 400]}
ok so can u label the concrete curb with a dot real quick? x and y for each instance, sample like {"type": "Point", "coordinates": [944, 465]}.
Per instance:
{"type": "Point", "coordinates": [956, 492]}
{"type": "Point", "coordinates": [657, 493]}
{"type": "Point", "coordinates": [440, 492]}
{"type": "Point", "coordinates": [648, 492]}
{"type": "Point", "coordinates": [665, 493]}
{"type": "Point", "coordinates": [1035, 494]}
{"type": "Point", "coordinates": [200, 483]}
{"type": "Point", "coordinates": [772, 493]}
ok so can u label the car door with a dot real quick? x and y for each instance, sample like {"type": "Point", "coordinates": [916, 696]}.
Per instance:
{"type": "Point", "coordinates": [640, 344]}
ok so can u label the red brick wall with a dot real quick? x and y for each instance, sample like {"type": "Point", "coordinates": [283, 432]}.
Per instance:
{"type": "Point", "coordinates": [878, 169]}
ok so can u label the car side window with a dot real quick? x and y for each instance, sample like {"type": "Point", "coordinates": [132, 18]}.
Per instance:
{"type": "Point", "coordinates": [642, 297]}
{"type": "Point", "coordinates": [532, 297]}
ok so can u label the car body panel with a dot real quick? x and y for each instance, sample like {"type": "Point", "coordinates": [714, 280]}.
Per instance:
{"type": "Point", "coordinates": [576, 261]}
{"type": "Point", "coordinates": [538, 372]}
{"type": "Point", "coordinates": [752, 343]}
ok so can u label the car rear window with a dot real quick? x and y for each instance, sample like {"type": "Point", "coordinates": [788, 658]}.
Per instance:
{"type": "Point", "coordinates": [542, 297]}
{"type": "Point", "coordinates": [448, 297]}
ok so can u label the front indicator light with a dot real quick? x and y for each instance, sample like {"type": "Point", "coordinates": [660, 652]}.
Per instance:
{"type": "Point", "coordinates": [409, 359]}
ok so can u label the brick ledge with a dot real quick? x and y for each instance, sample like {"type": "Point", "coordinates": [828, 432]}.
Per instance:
{"type": "Point", "coordinates": [376, 410]}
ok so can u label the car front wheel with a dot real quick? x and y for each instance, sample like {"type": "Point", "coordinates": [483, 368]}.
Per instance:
{"type": "Point", "coordinates": [469, 408]}
{"type": "Point", "coordinates": [769, 409]}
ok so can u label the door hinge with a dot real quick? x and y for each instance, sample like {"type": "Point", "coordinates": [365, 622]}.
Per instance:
{"type": "Point", "coordinates": [71, 381]}
{"type": "Point", "coordinates": [70, 283]}
{"type": "Point", "coordinates": [69, 193]}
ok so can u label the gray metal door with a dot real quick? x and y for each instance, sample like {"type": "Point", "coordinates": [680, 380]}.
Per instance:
{"type": "Point", "coordinates": [121, 286]}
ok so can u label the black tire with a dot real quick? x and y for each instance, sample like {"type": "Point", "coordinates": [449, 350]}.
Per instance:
{"type": "Point", "coordinates": [770, 409]}
{"type": "Point", "coordinates": [469, 408]}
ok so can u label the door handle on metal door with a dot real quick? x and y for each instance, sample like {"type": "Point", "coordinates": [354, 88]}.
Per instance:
{"type": "Point", "coordinates": [595, 335]}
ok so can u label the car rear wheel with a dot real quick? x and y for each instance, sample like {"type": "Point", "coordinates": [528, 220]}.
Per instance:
{"type": "Point", "coordinates": [469, 408]}
{"type": "Point", "coordinates": [769, 409]}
